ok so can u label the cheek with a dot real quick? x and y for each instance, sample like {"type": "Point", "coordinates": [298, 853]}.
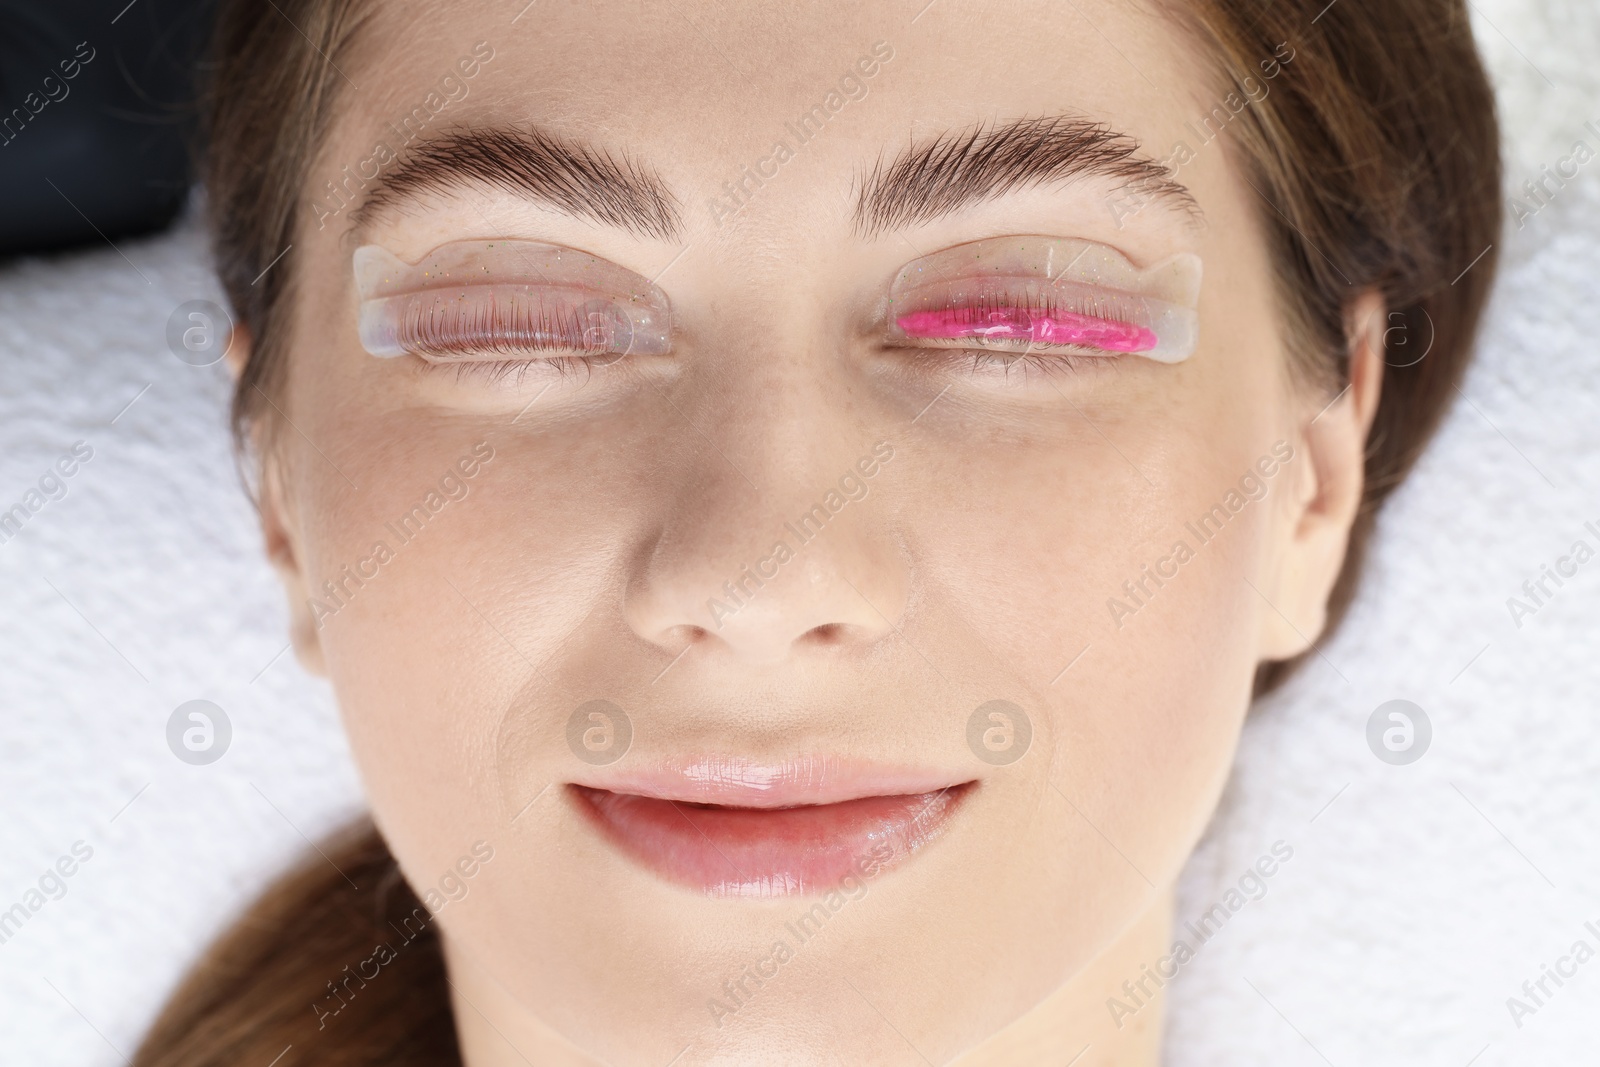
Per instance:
{"type": "Point", "coordinates": [1055, 561]}
{"type": "Point", "coordinates": [1019, 546]}
{"type": "Point", "coordinates": [476, 596]}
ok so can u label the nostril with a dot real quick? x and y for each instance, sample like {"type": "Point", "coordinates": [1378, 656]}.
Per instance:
{"type": "Point", "coordinates": [673, 603]}
{"type": "Point", "coordinates": [829, 633]}
{"type": "Point", "coordinates": [683, 636]}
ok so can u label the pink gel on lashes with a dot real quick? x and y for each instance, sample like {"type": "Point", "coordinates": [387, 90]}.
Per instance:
{"type": "Point", "coordinates": [1018, 324]}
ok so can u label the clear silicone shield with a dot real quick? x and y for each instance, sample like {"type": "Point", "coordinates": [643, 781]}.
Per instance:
{"type": "Point", "coordinates": [1032, 292]}
{"type": "Point", "coordinates": [499, 299]}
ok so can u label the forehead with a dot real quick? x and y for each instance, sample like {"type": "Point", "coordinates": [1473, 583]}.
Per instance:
{"type": "Point", "coordinates": [699, 91]}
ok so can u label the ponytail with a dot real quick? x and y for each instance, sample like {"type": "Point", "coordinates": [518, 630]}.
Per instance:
{"type": "Point", "coordinates": [317, 971]}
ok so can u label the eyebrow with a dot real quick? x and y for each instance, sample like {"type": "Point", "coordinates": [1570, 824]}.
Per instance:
{"type": "Point", "coordinates": [586, 182]}
{"type": "Point", "coordinates": [926, 181]}
{"type": "Point", "coordinates": [969, 166]}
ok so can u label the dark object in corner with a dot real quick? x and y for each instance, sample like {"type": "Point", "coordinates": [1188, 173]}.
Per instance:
{"type": "Point", "coordinates": [97, 107]}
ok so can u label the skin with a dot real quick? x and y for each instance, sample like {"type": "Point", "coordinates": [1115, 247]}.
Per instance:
{"type": "Point", "coordinates": [978, 567]}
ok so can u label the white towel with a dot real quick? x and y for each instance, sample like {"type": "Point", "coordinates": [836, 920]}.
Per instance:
{"type": "Point", "coordinates": [1421, 897]}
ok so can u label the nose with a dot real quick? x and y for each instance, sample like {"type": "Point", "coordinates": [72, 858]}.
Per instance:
{"type": "Point", "coordinates": [787, 554]}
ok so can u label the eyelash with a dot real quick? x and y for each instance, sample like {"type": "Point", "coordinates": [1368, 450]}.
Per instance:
{"type": "Point", "coordinates": [517, 326]}
{"type": "Point", "coordinates": [436, 336]}
{"type": "Point", "coordinates": [497, 371]}
{"type": "Point", "coordinates": [1046, 358]}
{"type": "Point", "coordinates": [1069, 309]}
{"type": "Point", "coordinates": [1040, 360]}
{"type": "Point", "coordinates": [1059, 301]}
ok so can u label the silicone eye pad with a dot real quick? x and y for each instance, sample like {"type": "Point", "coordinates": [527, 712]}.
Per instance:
{"type": "Point", "coordinates": [1031, 292]}
{"type": "Point", "coordinates": [497, 299]}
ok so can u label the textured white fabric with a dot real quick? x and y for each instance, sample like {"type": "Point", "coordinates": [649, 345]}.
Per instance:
{"type": "Point", "coordinates": [1418, 898]}
{"type": "Point", "coordinates": [1422, 898]}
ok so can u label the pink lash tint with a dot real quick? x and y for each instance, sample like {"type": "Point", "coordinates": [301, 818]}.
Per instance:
{"type": "Point", "coordinates": [1021, 324]}
{"type": "Point", "coordinates": [1036, 294]}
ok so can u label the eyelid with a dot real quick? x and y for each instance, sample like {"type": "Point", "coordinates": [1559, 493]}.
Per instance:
{"type": "Point", "coordinates": [466, 290]}
{"type": "Point", "coordinates": [1039, 290]}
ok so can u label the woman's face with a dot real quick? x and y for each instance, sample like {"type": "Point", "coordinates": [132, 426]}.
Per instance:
{"type": "Point", "coordinates": [797, 745]}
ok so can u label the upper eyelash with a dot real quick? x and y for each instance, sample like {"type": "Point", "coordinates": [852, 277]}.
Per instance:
{"type": "Point", "coordinates": [1018, 304]}
{"type": "Point", "coordinates": [492, 326]}
{"type": "Point", "coordinates": [1099, 304]}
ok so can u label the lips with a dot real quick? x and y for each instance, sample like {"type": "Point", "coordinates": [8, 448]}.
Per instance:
{"type": "Point", "coordinates": [728, 828]}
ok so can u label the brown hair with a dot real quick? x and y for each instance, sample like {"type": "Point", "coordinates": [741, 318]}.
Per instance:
{"type": "Point", "coordinates": [338, 965]}
{"type": "Point", "coordinates": [1376, 157]}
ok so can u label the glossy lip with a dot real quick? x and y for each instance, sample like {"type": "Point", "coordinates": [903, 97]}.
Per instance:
{"type": "Point", "coordinates": [728, 827]}
{"type": "Point", "coordinates": [738, 782]}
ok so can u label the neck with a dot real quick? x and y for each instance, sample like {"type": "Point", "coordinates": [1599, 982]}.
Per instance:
{"type": "Point", "coordinates": [1077, 1024]}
